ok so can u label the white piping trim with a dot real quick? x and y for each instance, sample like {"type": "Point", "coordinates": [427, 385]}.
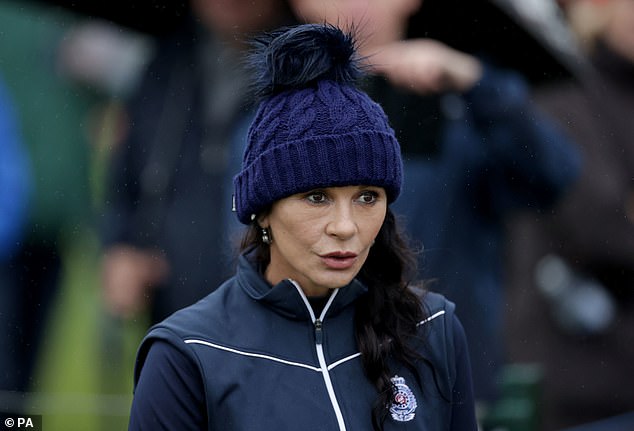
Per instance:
{"type": "Point", "coordinates": [432, 317]}
{"type": "Point", "coordinates": [327, 306]}
{"type": "Point", "coordinates": [307, 304]}
{"type": "Point", "coordinates": [253, 355]}
{"type": "Point", "coordinates": [320, 354]}
{"type": "Point", "coordinates": [341, 361]}
{"type": "Point", "coordinates": [304, 298]}
{"type": "Point", "coordinates": [331, 390]}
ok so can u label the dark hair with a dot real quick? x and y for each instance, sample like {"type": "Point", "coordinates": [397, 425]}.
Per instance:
{"type": "Point", "coordinates": [387, 316]}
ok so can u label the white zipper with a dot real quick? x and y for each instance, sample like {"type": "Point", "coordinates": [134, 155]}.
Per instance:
{"type": "Point", "coordinates": [317, 322]}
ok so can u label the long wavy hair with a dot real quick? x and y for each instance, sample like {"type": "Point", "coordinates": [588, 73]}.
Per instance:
{"type": "Point", "coordinates": [387, 316]}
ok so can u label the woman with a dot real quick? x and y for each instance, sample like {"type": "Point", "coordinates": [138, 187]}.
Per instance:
{"type": "Point", "coordinates": [319, 328]}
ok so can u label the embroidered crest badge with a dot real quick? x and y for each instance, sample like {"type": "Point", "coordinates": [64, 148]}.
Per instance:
{"type": "Point", "coordinates": [404, 402]}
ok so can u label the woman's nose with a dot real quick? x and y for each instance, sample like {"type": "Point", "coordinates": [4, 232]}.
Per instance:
{"type": "Point", "coordinates": [342, 224]}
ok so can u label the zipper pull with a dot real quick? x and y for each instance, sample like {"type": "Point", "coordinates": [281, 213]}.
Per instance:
{"type": "Point", "coordinates": [318, 332]}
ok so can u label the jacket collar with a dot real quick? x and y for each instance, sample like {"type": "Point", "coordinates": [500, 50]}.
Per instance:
{"type": "Point", "coordinates": [284, 298]}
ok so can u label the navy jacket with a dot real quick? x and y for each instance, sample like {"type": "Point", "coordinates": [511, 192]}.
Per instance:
{"type": "Point", "coordinates": [254, 357]}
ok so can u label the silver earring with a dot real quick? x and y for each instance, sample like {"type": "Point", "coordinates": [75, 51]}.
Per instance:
{"type": "Point", "coordinates": [266, 238]}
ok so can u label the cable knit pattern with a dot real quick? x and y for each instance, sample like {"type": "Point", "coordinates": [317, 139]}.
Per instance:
{"type": "Point", "coordinates": [314, 129]}
{"type": "Point", "coordinates": [325, 135]}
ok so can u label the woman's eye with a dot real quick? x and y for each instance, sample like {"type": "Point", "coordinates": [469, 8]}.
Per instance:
{"type": "Point", "coordinates": [316, 197]}
{"type": "Point", "coordinates": [368, 197]}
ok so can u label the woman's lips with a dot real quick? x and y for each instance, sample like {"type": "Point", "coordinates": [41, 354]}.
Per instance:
{"type": "Point", "coordinates": [339, 260]}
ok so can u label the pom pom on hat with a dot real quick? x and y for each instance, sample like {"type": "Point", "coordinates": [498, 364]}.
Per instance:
{"type": "Point", "coordinates": [294, 57]}
{"type": "Point", "coordinates": [313, 128]}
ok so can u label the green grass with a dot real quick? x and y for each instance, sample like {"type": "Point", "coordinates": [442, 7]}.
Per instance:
{"type": "Point", "coordinates": [84, 377]}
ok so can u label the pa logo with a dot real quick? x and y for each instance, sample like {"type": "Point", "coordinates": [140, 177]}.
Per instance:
{"type": "Point", "coordinates": [404, 402]}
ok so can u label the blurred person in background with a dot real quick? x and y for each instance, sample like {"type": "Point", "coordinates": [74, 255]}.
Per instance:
{"type": "Point", "coordinates": [15, 181]}
{"type": "Point", "coordinates": [572, 271]}
{"type": "Point", "coordinates": [52, 113]}
{"type": "Point", "coordinates": [166, 236]}
{"type": "Point", "coordinates": [475, 148]}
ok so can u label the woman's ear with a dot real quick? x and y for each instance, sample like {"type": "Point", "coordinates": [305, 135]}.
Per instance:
{"type": "Point", "coordinates": [263, 220]}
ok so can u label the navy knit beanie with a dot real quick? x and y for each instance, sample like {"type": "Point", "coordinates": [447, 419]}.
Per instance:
{"type": "Point", "coordinates": [313, 128]}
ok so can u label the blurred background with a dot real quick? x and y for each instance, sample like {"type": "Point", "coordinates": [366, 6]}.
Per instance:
{"type": "Point", "coordinates": [63, 76]}
{"type": "Point", "coordinates": [68, 70]}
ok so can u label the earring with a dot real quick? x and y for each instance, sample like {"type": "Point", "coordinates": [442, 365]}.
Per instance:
{"type": "Point", "coordinates": [266, 238]}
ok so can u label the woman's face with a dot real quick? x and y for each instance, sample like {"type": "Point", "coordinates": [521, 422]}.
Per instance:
{"type": "Point", "coordinates": [322, 238]}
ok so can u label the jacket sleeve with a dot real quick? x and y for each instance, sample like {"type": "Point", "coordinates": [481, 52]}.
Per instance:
{"type": "Point", "coordinates": [463, 410]}
{"type": "Point", "coordinates": [168, 392]}
{"type": "Point", "coordinates": [136, 169]}
{"type": "Point", "coordinates": [123, 188]}
{"type": "Point", "coordinates": [529, 161]}
{"type": "Point", "coordinates": [446, 350]}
